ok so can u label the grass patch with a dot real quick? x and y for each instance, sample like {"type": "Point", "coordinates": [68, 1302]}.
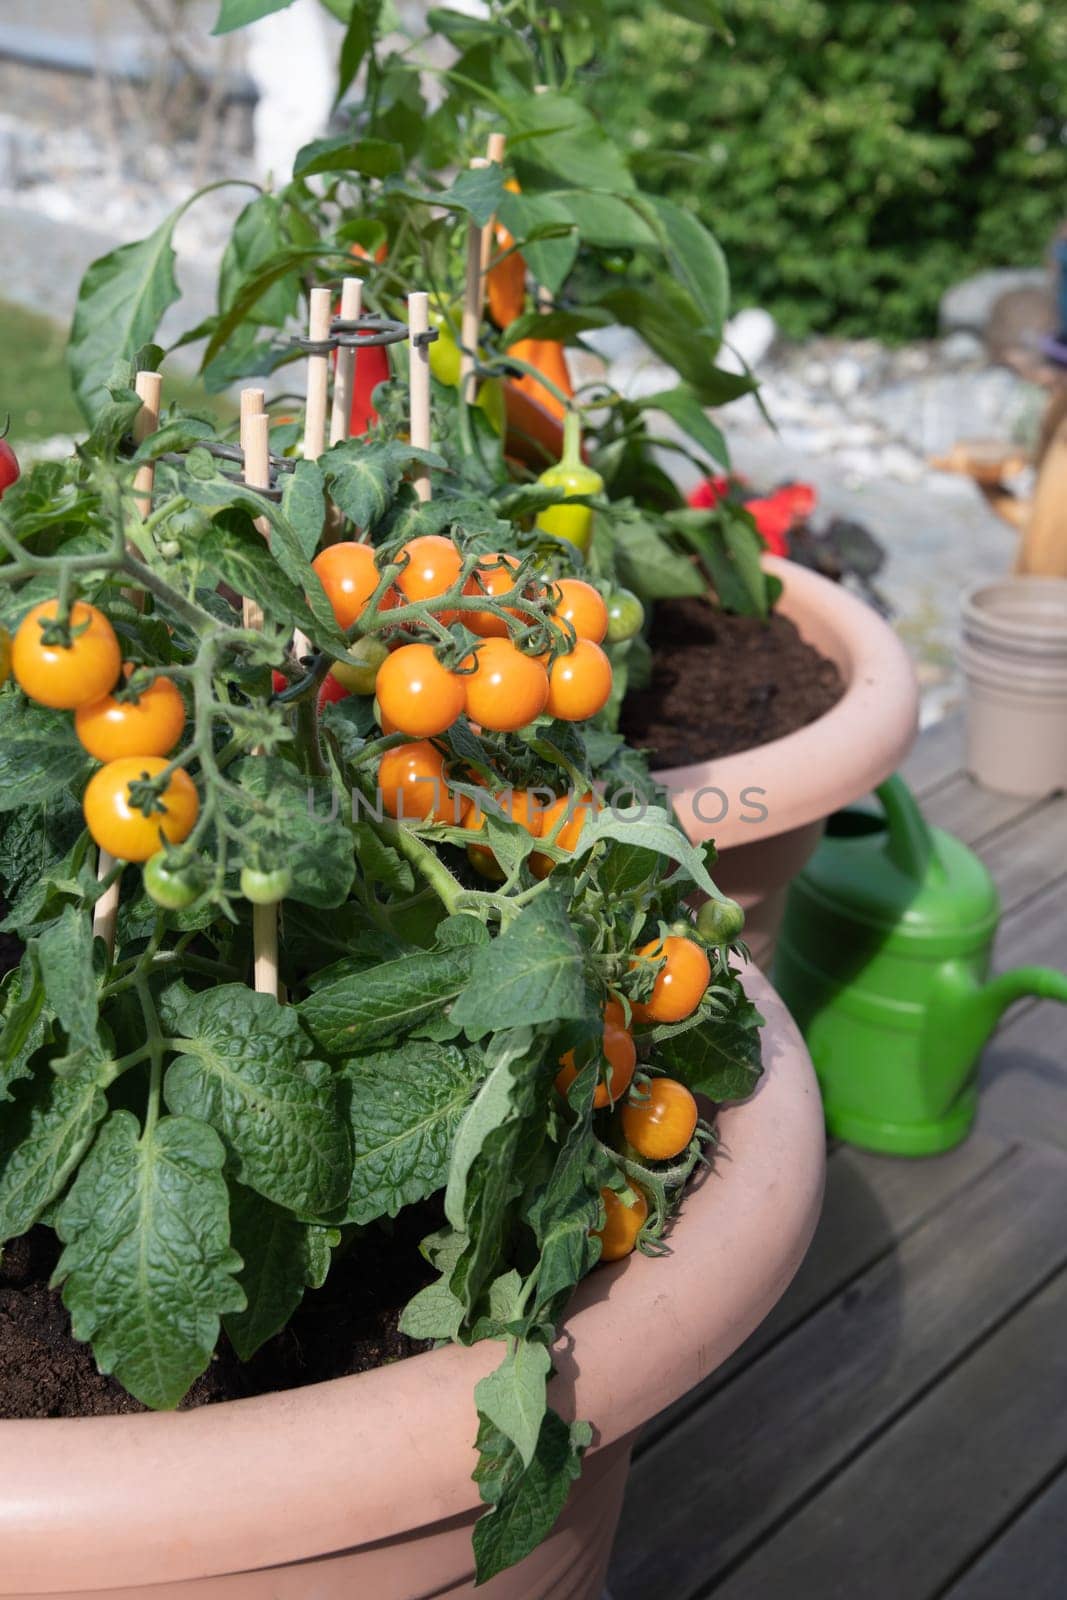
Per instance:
{"type": "Point", "coordinates": [35, 388]}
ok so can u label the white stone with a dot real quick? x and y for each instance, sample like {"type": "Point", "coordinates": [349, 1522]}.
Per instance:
{"type": "Point", "coordinates": [846, 377]}
{"type": "Point", "coordinates": [961, 348]}
{"type": "Point", "coordinates": [749, 336]}
{"type": "Point", "coordinates": [968, 304]}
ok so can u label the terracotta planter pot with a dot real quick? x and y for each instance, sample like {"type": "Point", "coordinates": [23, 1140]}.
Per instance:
{"type": "Point", "coordinates": [766, 808]}
{"type": "Point", "coordinates": [1014, 657]}
{"type": "Point", "coordinates": [361, 1487]}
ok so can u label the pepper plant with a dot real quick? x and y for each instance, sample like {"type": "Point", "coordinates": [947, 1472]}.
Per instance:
{"type": "Point", "coordinates": [493, 992]}
{"type": "Point", "coordinates": [390, 194]}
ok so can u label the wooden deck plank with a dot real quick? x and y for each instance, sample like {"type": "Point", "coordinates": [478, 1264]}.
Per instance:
{"type": "Point", "coordinates": [1036, 931]}
{"type": "Point", "coordinates": [1023, 1076]}
{"type": "Point", "coordinates": [970, 812]}
{"type": "Point", "coordinates": [1029, 854]}
{"type": "Point", "coordinates": [1030, 1558]}
{"type": "Point", "coordinates": [872, 1202]}
{"type": "Point", "coordinates": [936, 755]}
{"type": "Point", "coordinates": [715, 1486]}
{"type": "Point", "coordinates": [904, 1517]}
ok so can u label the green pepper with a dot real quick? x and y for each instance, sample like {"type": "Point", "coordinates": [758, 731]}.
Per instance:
{"type": "Point", "coordinates": [573, 477]}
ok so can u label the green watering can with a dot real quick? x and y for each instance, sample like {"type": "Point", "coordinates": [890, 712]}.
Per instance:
{"type": "Point", "coordinates": [882, 960]}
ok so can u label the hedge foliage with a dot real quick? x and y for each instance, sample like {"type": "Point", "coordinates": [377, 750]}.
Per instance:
{"type": "Point", "coordinates": [854, 157]}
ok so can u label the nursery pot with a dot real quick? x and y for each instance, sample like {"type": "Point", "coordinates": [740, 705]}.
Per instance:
{"type": "Point", "coordinates": [766, 808]}
{"type": "Point", "coordinates": [1013, 653]}
{"type": "Point", "coordinates": [361, 1486]}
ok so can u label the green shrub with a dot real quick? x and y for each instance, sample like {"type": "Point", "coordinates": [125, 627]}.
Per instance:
{"type": "Point", "coordinates": [855, 157]}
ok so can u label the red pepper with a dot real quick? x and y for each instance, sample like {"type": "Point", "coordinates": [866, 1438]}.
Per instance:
{"type": "Point", "coordinates": [372, 368]}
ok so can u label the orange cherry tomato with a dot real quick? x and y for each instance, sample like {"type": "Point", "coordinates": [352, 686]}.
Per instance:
{"type": "Point", "coordinates": [120, 827]}
{"type": "Point", "coordinates": [493, 576]}
{"type": "Point", "coordinates": [622, 1223]}
{"type": "Point", "coordinates": [680, 982]}
{"type": "Point", "coordinates": [151, 725]}
{"type": "Point", "coordinates": [66, 676]}
{"type": "Point", "coordinates": [583, 607]}
{"type": "Point", "coordinates": [412, 783]}
{"type": "Point", "coordinates": [507, 689]}
{"type": "Point", "coordinates": [621, 1055]}
{"type": "Point", "coordinates": [416, 694]}
{"type": "Point", "coordinates": [579, 683]}
{"type": "Point", "coordinates": [434, 564]}
{"type": "Point", "coordinates": [576, 810]}
{"type": "Point", "coordinates": [661, 1124]}
{"type": "Point", "coordinates": [349, 574]}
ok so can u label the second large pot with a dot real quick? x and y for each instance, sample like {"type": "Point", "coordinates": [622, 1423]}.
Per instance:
{"type": "Point", "coordinates": [766, 808]}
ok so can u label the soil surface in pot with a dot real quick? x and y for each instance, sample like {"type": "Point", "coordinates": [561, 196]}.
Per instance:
{"type": "Point", "coordinates": [350, 1325]}
{"type": "Point", "coordinates": [722, 684]}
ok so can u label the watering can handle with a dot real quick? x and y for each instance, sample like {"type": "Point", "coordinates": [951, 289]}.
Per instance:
{"type": "Point", "coordinates": [909, 844]}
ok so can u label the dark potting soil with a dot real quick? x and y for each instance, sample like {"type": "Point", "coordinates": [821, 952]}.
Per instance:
{"type": "Point", "coordinates": [722, 684]}
{"type": "Point", "coordinates": [349, 1325]}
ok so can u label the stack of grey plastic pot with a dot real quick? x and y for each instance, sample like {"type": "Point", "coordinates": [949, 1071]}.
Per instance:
{"type": "Point", "coordinates": [1013, 653]}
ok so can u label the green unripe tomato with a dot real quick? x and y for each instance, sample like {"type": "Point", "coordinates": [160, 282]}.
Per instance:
{"type": "Point", "coordinates": [626, 616]}
{"type": "Point", "coordinates": [172, 884]}
{"type": "Point", "coordinates": [359, 672]}
{"type": "Point", "coordinates": [491, 400]}
{"type": "Point", "coordinates": [265, 888]}
{"type": "Point", "coordinates": [720, 921]}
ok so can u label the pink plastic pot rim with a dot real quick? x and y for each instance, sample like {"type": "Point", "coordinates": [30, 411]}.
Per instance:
{"type": "Point", "coordinates": [121, 1501]}
{"type": "Point", "coordinates": [806, 775]}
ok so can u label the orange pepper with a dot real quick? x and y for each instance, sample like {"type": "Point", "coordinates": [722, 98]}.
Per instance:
{"type": "Point", "coordinates": [547, 356]}
{"type": "Point", "coordinates": [506, 281]}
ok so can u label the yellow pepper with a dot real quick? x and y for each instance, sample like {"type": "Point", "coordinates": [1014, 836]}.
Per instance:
{"type": "Point", "coordinates": [573, 477]}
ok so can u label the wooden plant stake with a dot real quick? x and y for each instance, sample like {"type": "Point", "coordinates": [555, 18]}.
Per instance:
{"type": "Point", "coordinates": [494, 155]}
{"type": "Point", "coordinates": [419, 385]}
{"type": "Point", "coordinates": [318, 376]}
{"type": "Point", "coordinates": [149, 386]}
{"type": "Point", "coordinates": [345, 374]}
{"type": "Point", "coordinates": [1043, 547]}
{"type": "Point", "coordinates": [255, 442]}
{"type": "Point", "coordinates": [472, 302]}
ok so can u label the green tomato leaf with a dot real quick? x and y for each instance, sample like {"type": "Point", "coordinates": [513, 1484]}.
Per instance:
{"type": "Point", "coordinates": [39, 753]}
{"type": "Point", "coordinates": [304, 504]}
{"type": "Point", "coordinates": [148, 1269]}
{"type": "Point", "coordinates": [297, 821]}
{"type": "Point", "coordinates": [513, 1398]}
{"type": "Point", "coordinates": [243, 1069]}
{"type": "Point", "coordinates": [43, 1137]}
{"type": "Point", "coordinates": [649, 828]}
{"type": "Point", "coordinates": [365, 1007]}
{"type": "Point", "coordinates": [282, 1257]}
{"type": "Point", "coordinates": [720, 1057]}
{"type": "Point", "coordinates": [121, 303]}
{"type": "Point", "coordinates": [434, 1313]}
{"type": "Point", "coordinates": [363, 478]}
{"type": "Point", "coordinates": [25, 1023]}
{"type": "Point", "coordinates": [406, 1104]}
{"type": "Point", "coordinates": [65, 957]}
{"type": "Point", "coordinates": [535, 972]}
{"type": "Point", "coordinates": [240, 557]}
{"type": "Point", "coordinates": [526, 1502]}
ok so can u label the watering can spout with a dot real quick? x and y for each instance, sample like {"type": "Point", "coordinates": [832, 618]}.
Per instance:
{"type": "Point", "coordinates": [965, 1012]}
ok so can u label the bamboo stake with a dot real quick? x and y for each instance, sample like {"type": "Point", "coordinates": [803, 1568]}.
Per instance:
{"type": "Point", "coordinates": [472, 303]}
{"type": "Point", "coordinates": [149, 386]}
{"type": "Point", "coordinates": [419, 383]}
{"type": "Point", "coordinates": [318, 376]}
{"type": "Point", "coordinates": [253, 404]}
{"type": "Point", "coordinates": [345, 374]}
{"type": "Point", "coordinates": [255, 443]}
{"type": "Point", "coordinates": [494, 154]}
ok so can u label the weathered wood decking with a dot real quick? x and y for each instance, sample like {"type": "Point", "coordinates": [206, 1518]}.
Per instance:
{"type": "Point", "coordinates": [897, 1429]}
